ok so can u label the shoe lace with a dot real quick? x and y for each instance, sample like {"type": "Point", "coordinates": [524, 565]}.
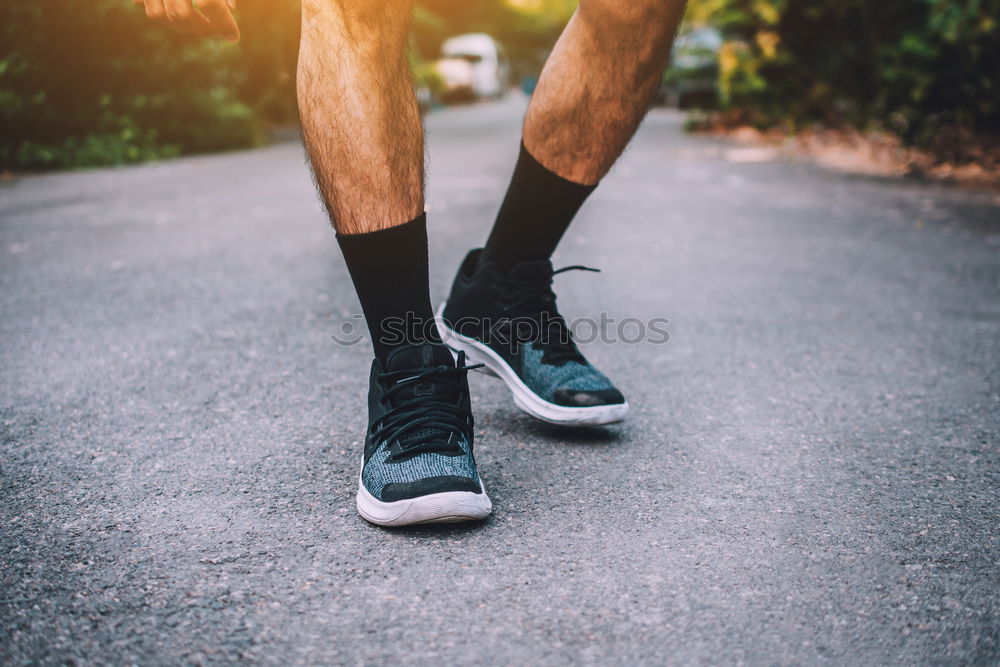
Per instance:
{"type": "Point", "coordinates": [419, 423]}
{"type": "Point", "coordinates": [531, 298]}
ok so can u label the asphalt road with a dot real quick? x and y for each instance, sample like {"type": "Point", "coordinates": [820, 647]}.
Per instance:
{"type": "Point", "coordinates": [809, 474]}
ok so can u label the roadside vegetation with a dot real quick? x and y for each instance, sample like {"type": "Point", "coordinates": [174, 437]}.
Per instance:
{"type": "Point", "coordinates": [92, 82]}
{"type": "Point", "coordinates": [917, 74]}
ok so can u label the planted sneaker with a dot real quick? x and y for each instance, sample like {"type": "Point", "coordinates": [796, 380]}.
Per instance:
{"type": "Point", "coordinates": [508, 322]}
{"type": "Point", "coordinates": [418, 465]}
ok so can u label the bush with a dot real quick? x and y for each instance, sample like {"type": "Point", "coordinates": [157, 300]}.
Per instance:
{"type": "Point", "coordinates": [86, 82]}
{"type": "Point", "coordinates": [93, 82]}
{"type": "Point", "coordinates": [922, 68]}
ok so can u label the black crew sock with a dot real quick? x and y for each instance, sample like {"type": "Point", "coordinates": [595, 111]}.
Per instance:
{"type": "Point", "coordinates": [389, 270]}
{"type": "Point", "coordinates": [537, 209]}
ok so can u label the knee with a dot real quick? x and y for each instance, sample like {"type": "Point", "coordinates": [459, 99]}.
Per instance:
{"type": "Point", "coordinates": [631, 17]}
{"type": "Point", "coordinates": [360, 17]}
{"type": "Point", "coordinates": [376, 6]}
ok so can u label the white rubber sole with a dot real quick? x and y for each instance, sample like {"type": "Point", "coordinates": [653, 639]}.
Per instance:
{"type": "Point", "coordinates": [524, 398]}
{"type": "Point", "coordinates": [445, 507]}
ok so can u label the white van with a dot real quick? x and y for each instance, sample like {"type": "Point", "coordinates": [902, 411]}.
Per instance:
{"type": "Point", "coordinates": [489, 67]}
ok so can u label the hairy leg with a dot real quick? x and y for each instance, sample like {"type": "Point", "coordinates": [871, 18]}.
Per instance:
{"type": "Point", "coordinates": [598, 84]}
{"type": "Point", "coordinates": [365, 140]}
{"type": "Point", "coordinates": [359, 114]}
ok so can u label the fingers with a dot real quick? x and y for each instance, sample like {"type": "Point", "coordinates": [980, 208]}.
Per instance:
{"type": "Point", "coordinates": [212, 17]}
{"type": "Point", "coordinates": [182, 16]}
{"type": "Point", "coordinates": [220, 16]}
{"type": "Point", "coordinates": [155, 11]}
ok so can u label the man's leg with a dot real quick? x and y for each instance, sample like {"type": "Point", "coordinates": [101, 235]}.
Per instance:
{"type": "Point", "coordinates": [359, 113]}
{"type": "Point", "coordinates": [598, 84]}
{"type": "Point", "coordinates": [364, 136]}
{"type": "Point", "coordinates": [593, 93]}
{"type": "Point", "coordinates": [363, 131]}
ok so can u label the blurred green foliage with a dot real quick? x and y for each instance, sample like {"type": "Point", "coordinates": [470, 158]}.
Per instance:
{"type": "Point", "coordinates": [928, 70]}
{"type": "Point", "coordinates": [86, 82]}
{"type": "Point", "coordinates": [91, 82]}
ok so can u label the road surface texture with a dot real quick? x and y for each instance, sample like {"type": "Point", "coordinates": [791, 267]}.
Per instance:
{"type": "Point", "coordinates": [809, 473]}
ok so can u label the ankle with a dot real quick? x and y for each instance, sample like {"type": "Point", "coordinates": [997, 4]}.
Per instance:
{"type": "Point", "coordinates": [403, 332]}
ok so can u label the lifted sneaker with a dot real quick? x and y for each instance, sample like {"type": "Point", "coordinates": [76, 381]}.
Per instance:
{"type": "Point", "coordinates": [418, 464]}
{"type": "Point", "coordinates": [509, 323]}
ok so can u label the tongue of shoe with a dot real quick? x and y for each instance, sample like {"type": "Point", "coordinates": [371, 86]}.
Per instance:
{"type": "Point", "coordinates": [419, 358]}
{"type": "Point", "coordinates": [532, 272]}
{"type": "Point", "coordinates": [540, 273]}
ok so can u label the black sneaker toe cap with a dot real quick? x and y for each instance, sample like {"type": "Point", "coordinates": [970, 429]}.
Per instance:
{"type": "Point", "coordinates": [575, 398]}
{"type": "Point", "coordinates": [425, 487]}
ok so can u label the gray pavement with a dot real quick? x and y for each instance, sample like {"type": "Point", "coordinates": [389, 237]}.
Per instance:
{"type": "Point", "coordinates": [809, 475]}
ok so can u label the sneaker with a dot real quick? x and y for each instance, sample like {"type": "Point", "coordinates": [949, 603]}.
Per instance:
{"type": "Point", "coordinates": [418, 465]}
{"type": "Point", "coordinates": [509, 323]}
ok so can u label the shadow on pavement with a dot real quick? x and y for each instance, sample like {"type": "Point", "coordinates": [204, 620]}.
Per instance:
{"type": "Point", "coordinates": [563, 434]}
{"type": "Point", "coordinates": [436, 530]}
